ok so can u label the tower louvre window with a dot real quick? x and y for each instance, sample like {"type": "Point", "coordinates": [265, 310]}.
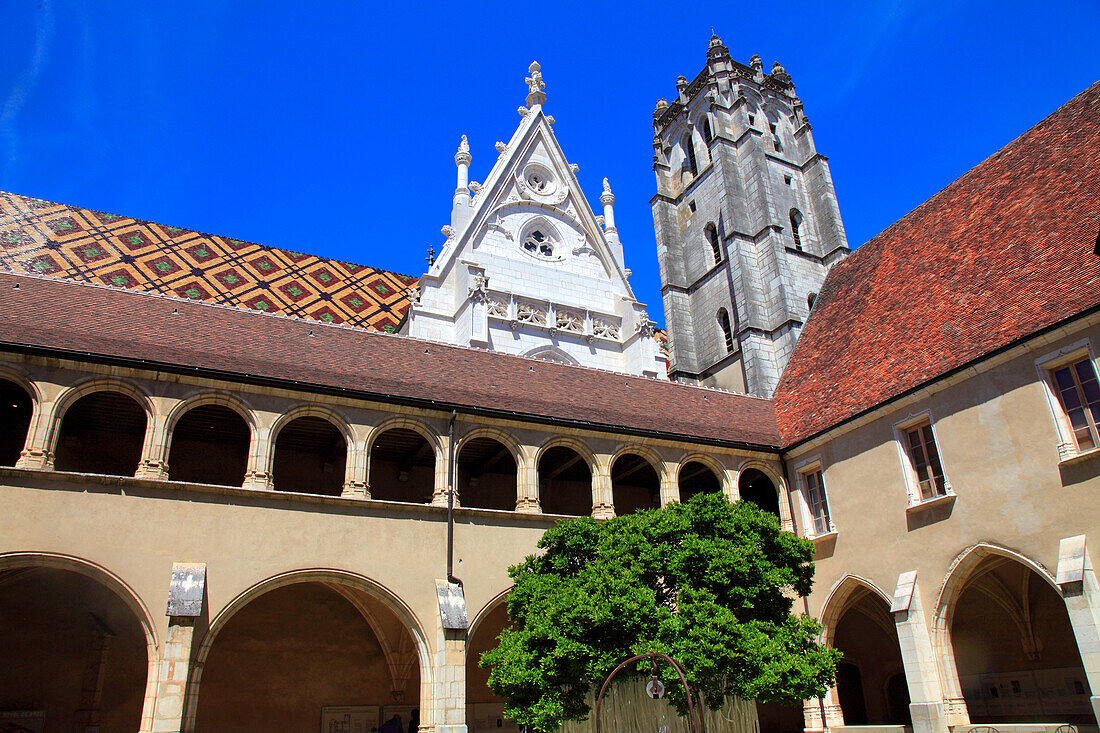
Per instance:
{"type": "Point", "coordinates": [689, 151]}
{"type": "Point", "coordinates": [711, 233]}
{"type": "Point", "coordinates": [727, 332]}
{"type": "Point", "coordinates": [796, 225]}
{"type": "Point", "coordinates": [707, 135]}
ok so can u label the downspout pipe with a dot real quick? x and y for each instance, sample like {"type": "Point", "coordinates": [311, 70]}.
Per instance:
{"type": "Point", "coordinates": [451, 500]}
{"type": "Point", "coordinates": [805, 600]}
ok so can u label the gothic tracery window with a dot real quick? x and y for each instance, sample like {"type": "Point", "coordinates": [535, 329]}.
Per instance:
{"type": "Point", "coordinates": [537, 243]}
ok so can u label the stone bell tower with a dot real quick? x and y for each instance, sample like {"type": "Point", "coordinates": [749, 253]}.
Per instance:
{"type": "Point", "coordinates": [746, 220]}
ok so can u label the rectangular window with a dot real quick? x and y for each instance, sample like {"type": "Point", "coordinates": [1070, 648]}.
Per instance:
{"type": "Point", "coordinates": [818, 504]}
{"type": "Point", "coordinates": [1079, 394]}
{"type": "Point", "coordinates": [921, 444]}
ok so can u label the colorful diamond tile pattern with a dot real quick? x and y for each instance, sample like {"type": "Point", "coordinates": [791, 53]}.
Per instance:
{"type": "Point", "coordinates": [45, 238]}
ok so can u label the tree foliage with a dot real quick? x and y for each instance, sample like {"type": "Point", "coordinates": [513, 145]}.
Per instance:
{"type": "Point", "coordinates": [709, 583]}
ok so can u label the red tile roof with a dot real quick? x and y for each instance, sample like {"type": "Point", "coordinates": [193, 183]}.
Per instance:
{"type": "Point", "coordinates": [1001, 253]}
{"type": "Point", "coordinates": [45, 238]}
{"type": "Point", "coordinates": [121, 326]}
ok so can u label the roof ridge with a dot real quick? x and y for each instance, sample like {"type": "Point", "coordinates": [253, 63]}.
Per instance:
{"type": "Point", "coordinates": [368, 331]}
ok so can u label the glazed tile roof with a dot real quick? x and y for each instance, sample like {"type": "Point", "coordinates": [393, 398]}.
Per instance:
{"type": "Point", "coordinates": [59, 317]}
{"type": "Point", "coordinates": [1001, 253]}
{"type": "Point", "coordinates": [45, 238]}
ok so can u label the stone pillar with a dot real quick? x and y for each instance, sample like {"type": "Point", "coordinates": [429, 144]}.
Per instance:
{"type": "Point", "coordinates": [460, 208]}
{"type": "Point", "coordinates": [925, 691]}
{"type": "Point", "coordinates": [527, 481]}
{"type": "Point", "coordinates": [154, 451]}
{"type": "Point", "coordinates": [822, 713]}
{"type": "Point", "coordinates": [442, 480]}
{"type": "Point", "coordinates": [355, 476]}
{"type": "Point", "coordinates": [603, 501]}
{"type": "Point", "coordinates": [1077, 581]}
{"type": "Point", "coordinates": [729, 485]}
{"type": "Point", "coordinates": [260, 458]}
{"type": "Point", "coordinates": [449, 705]}
{"type": "Point", "coordinates": [670, 485]}
{"type": "Point", "coordinates": [185, 613]}
{"type": "Point", "coordinates": [37, 452]}
{"type": "Point", "coordinates": [611, 233]}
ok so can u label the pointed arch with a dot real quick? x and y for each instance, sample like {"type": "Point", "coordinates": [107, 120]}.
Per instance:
{"type": "Point", "coordinates": [841, 596]}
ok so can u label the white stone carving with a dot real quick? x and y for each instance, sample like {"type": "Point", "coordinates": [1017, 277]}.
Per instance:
{"type": "Point", "coordinates": [567, 321]}
{"type": "Point", "coordinates": [528, 313]}
{"type": "Point", "coordinates": [574, 167]}
{"type": "Point", "coordinates": [475, 187]}
{"type": "Point", "coordinates": [497, 307]}
{"type": "Point", "coordinates": [447, 231]}
{"type": "Point", "coordinates": [604, 328]}
{"type": "Point", "coordinates": [502, 147]}
{"type": "Point", "coordinates": [479, 288]}
{"type": "Point", "coordinates": [414, 295]}
{"type": "Point", "coordinates": [462, 157]}
{"type": "Point", "coordinates": [535, 85]}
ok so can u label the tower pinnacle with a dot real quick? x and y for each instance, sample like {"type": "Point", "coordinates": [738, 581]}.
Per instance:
{"type": "Point", "coordinates": [535, 85]}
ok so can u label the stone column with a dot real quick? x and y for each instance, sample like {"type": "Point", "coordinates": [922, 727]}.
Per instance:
{"type": "Point", "coordinates": [37, 452]}
{"type": "Point", "coordinates": [822, 713]}
{"type": "Point", "coordinates": [185, 608]}
{"type": "Point", "coordinates": [355, 475]}
{"type": "Point", "coordinates": [260, 459]}
{"type": "Point", "coordinates": [449, 705]}
{"type": "Point", "coordinates": [925, 691]}
{"type": "Point", "coordinates": [527, 481]}
{"type": "Point", "coordinates": [154, 451]}
{"type": "Point", "coordinates": [442, 480]}
{"type": "Point", "coordinates": [670, 485]}
{"type": "Point", "coordinates": [1081, 592]}
{"type": "Point", "coordinates": [603, 501]}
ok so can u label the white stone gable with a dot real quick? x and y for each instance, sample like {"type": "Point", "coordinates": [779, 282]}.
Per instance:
{"type": "Point", "coordinates": [527, 267]}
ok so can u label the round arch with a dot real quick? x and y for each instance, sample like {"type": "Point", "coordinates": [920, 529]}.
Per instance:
{"type": "Point", "coordinates": [17, 376]}
{"type": "Point", "coordinates": [85, 387]}
{"type": "Point", "coordinates": [405, 423]}
{"type": "Point", "coordinates": [491, 605]}
{"type": "Point", "coordinates": [201, 399]}
{"type": "Point", "coordinates": [494, 434]}
{"type": "Point", "coordinates": [550, 353]}
{"type": "Point", "coordinates": [579, 446]}
{"type": "Point", "coordinates": [646, 453]}
{"type": "Point", "coordinates": [121, 589]}
{"type": "Point", "coordinates": [321, 411]}
{"type": "Point", "coordinates": [728, 489]}
{"type": "Point", "coordinates": [959, 572]}
{"type": "Point", "coordinates": [313, 575]}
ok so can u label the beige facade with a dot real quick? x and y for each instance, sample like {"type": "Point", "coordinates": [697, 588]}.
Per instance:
{"type": "Point", "coordinates": [314, 604]}
{"type": "Point", "coordinates": [988, 630]}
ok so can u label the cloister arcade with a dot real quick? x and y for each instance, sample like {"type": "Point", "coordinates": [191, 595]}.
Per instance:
{"type": "Point", "coordinates": [113, 427]}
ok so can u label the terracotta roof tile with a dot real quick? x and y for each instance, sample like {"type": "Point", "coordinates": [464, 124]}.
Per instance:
{"type": "Point", "coordinates": [1003, 252]}
{"type": "Point", "coordinates": [117, 325]}
{"type": "Point", "coordinates": [41, 237]}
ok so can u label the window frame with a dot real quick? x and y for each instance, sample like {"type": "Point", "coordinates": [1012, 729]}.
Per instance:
{"type": "Point", "coordinates": [909, 468]}
{"type": "Point", "coordinates": [803, 472]}
{"type": "Point", "coordinates": [1046, 365]}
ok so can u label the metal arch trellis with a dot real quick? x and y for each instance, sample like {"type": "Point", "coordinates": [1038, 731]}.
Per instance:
{"type": "Point", "coordinates": [653, 656]}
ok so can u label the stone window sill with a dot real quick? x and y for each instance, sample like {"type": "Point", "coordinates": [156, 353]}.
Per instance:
{"type": "Point", "coordinates": [920, 506]}
{"type": "Point", "coordinates": [1080, 457]}
{"type": "Point", "coordinates": [823, 538]}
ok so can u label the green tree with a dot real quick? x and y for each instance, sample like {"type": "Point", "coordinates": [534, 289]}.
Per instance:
{"type": "Point", "coordinates": [709, 583]}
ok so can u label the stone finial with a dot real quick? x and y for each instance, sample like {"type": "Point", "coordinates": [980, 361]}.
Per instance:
{"type": "Point", "coordinates": [681, 82]}
{"type": "Point", "coordinates": [607, 198]}
{"type": "Point", "coordinates": [662, 105]}
{"type": "Point", "coordinates": [715, 41]}
{"type": "Point", "coordinates": [756, 63]}
{"type": "Point", "coordinates": [462, 157]}
{"type": "Point", "coordinates": [777, 68]}
{"type": "Point", "coordinates": [535, 85]}
{"type": "Point", "coordinates": [780, 74]}
{"type": "Point", "coordinates": [501, 146]}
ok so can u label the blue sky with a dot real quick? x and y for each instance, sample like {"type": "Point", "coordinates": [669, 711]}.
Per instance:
{"type": "Point", "coordinates": [330, 128]}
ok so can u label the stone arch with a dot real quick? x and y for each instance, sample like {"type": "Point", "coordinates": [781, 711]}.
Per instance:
{"type": "Point", "coordinates": [959, 572]}
{"type": "Point", "coordinates": [777, 482]}
{"type": "Point", "coordinates": [169, 451]}
{"type": "Point", "coordinates": [324, 576]}
{"type": "Point", "coordinates": [551, 353]}
{"type": "Point", "coordinates": [630, 495]}
{"type": "Point", "coordinates": [839, 598]}
{"type": "Point", "coordinates": [405, 423]}
{"type": "Point", "coordinates": [496, 434]}
{"type": "Point", "coordinates": [586, 456]}
{"type": "Point", "coordinates": [487, 625]}
{"type": "Point", "coordinates": [121, 589]}
{"type": "Point", "coordinates": [713, 464]}
{"type": "Point", "coordinates": [88, 386]}
{"type": "Point", "coordinates": [491, 605]}
{"type": "Point", "coordinates": [318, 411]}
{"type": "Point", "coordinates": [11, 420]}
{"type": "Point", "coordinates": [553, 233]}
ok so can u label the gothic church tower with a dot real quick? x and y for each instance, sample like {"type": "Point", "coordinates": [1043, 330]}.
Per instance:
{"type": "Point", "coordinates": [746, 219]}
